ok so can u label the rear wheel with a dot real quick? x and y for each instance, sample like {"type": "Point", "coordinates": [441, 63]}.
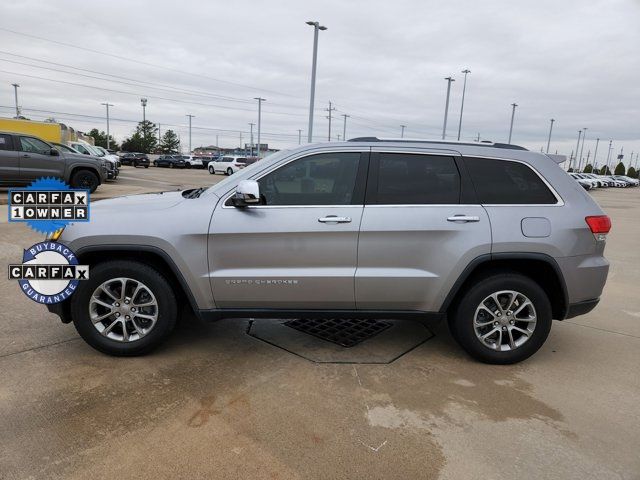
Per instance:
{"type": "Point", "coordinates": [187, 165]}
{"type": "Point", "coordinates": [125, 308]}
{"type": "Point", "coordinates": [85, 179]}
{"type": "Point", "coordinates": [502, 319]}
{"type": "Point", "coordinates": [229, 171]}
{"type": "Point", "coordinates": [211, 170]}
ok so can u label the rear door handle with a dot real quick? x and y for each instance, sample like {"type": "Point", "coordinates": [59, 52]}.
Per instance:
{"type": "Point", "coordinates": [463, 218]}
{"type": "Point", "coordinates": [334, 219]}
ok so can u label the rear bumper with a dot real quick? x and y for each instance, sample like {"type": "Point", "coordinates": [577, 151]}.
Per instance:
{"type": "Point", "coordinates": [581, 308]}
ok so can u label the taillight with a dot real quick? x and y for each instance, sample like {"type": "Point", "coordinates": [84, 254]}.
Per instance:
{"type": "Point", "coordinates": [599, 226]}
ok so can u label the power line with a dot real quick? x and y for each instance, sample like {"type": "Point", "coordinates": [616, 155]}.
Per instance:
{"type": "Point", "coordinates": [120, 57]}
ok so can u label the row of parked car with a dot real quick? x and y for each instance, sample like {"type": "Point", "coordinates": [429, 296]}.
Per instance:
{"type": "Point", "coordinates": [225, 164]}
{"type": "Point", "coordinates": [592, 180]}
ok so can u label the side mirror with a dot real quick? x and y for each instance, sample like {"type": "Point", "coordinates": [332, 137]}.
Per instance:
{"type": "Point", "coordinates": [247, 193]}
{"type": "Point", "coordinates": [54, 153]}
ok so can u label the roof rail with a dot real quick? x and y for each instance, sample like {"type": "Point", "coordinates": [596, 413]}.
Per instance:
{"type": "Point", "coordinates": [484, 143]}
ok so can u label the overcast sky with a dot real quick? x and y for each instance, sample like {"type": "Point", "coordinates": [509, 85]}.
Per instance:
{"type": "Point", "coordinates": [381, 62]}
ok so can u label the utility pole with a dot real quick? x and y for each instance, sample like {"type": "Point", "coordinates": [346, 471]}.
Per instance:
{"type": "Point", "coordinates": [402, 130]}
{"type": "Point", "coordinates": [338, 137]}
{"type": "Point", "coordinates": [446, 106]}
{"type": "Point", "coordinates": [15, 92]}
{"type": "Point", "coordinates": [330, 109]}
{"type": "Point", "coordinates": [344, 127]}
{"type": "Point", "coordinates": [595, 153]}
{"type": "Point", "coordinates": [159, 136]}
{"type": "Point", "coordinates": [190, 117]}
{"type": "Point", "coordinates": [587, 161]}
{"type": "Point", "coordinates": [251, 144]}
{"type": "Point", "coordinates": [240, 140]}
{"type": "Point", "coordinates": [260, 100]}
{"type": "Point", "coordinates": [316, 28]}
{"type": "Point", "coordinates": [550, 130]}
{"type": "Point", "coordinates": [513, 114]}
{"type": "Point", "coordinates": [464, 89]}
{"type": "Point", "coordinates": [107, 104]}
{"type": "Point", "coordinates": [584, 135]}
{"type": "Point", "coordinates": [609, 155]}
{"type": "Point", "coordinates": [478, 137]}
{"type": "Point", "coordinates": [299, 136]}
{"type": "Point", "coordinates": [577, 147]}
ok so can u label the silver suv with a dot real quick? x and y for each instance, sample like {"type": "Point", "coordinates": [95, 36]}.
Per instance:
{"type": "Point", "coordinates": [497, 239]}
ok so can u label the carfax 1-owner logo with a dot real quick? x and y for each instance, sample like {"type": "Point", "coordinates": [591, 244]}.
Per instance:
{"type": "Point", "coordinates": [48, 205]}
{"type": "Point", "coordinates": [49, 272]}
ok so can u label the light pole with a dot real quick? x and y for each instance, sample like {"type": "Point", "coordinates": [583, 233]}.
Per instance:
{"type": "Point", "coordinates": [316, 28]}
{"type": "Point", "coordinates": [595, 154]}
{"type": "Point", "coordinates": [344, 127]}
{"type": "Point", "coordinates": [584, 135]}
{"type": "Point", "coordinates": [550, 130]}
{"type": "Point", "coordinates": [15, 92]}
{"type": "Point", "coordinates": [251, 144]}
{"type": "Point", "coordinates": [107, 104]}
{"type": "Point", "coordinates": [190, 117]}
{"type": "Point", "coordinates": [513, 114]}
{"type": "Point", "coordinates": [143, 102]}
{"type": "Point", "coordinates": [299, 136]}
{"type": "Point", "coordinates": [446, 107]}
{"type": "Point", "coordinates": [577, 147]}
{"type": "Point", "coordinates": [402, 130]}
{"type": "Point", "coordinates": [260, 100]}
{"type": "Point", "coordinates": [464, 88]}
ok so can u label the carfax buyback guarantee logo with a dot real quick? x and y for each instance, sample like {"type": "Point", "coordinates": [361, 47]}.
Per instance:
{"type": "Point", "coordinates": [49, 272]}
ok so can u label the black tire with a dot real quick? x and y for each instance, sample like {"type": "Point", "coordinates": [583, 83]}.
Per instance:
{"type": "Point", "coordinates": [135, 164]}
{"type": "Point", "coordinates": [159, 286]}
{"type": "Point", "coordinates": [461, 320]}
{"type": "Point", "coordinates": [86, 180]}
{"type": "Point", "coordinates": [229, 171]}
{"type": "Point", "coordinates": [211, 171]}
{"type": "Point", "coordinates": [170, 165]}
{"type": "Point", "coordinates": [155, 163]}
{"type": "Point", "coordinates": [146, 166]}
{"type": "Point", "coordinates": [187, 165]}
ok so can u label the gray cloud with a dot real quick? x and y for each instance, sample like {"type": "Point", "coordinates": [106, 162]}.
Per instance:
{"type": "Point", "coordinates": [383, 63]}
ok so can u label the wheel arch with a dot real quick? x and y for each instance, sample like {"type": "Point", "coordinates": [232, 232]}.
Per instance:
{"type": "Point", "coordinates": [540, 267]}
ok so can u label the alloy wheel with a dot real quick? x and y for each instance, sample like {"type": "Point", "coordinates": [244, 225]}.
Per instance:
{"type": "Point", "coordinates": [123, 309]}
{"type": "Point", "coordinates": [505, 320]}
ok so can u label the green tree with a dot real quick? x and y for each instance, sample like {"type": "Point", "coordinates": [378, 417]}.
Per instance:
{"type": "Point", "coordinates": [100, 138]}
{"type": "Point", "coordinates": [605, 170]}
{"type": "Point", "coordinates": [632, 172]}
{"type": "Point", "coordinates": [143, 140]}
{"type": "Point", "coordinates": [588, 168]}
{"type": "Point", "coordinates": [170, 142]}
{"type": "Point", "coordinates": [619, 170]}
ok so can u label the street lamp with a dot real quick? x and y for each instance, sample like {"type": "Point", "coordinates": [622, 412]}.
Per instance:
{"type": "Point", "coordinates": [143, 102]}
{"type": "Point", "coordinates": [190, 117]}
{"type": "Point", "coordinates": [446, 107]}
{"type": "Point", "coordinates": [550, 130]}
{"type": "Point", "coordinates": [577, 147]}
{"type": "Point", "coordinates": [513, 114]}
{"type": "Point", "coordinates": [344, 127]}
{"type": "Point", "coordinates": [464, 88]}
{"type": "Point", "coordinates": [15, 92]}
{"type": "Point", "coordinates": [584, 135]}
{"type": "Point", "coordinates": [260, 100]}
{"type": "Point", "coordinates": [402, 127]}
{"type": "Point", "coordinates": [316, 28]}
{"type": "Point", "coordinates": [107, 104]}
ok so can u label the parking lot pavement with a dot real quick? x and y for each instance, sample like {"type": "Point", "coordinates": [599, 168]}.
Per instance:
{"type": "Point", "coordinates": [215, 402]}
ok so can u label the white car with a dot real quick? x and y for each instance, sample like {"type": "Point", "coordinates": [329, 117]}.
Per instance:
{"type": "Point", "coordinates": [87, 149]}
{"type": "Point", "coordinates": [192, 162]}
{"type": "Point", "coordinates": [227, 165]}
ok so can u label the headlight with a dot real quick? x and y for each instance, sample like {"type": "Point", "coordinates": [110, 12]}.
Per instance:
{"type": "Point", "coordinates": [56, 235]}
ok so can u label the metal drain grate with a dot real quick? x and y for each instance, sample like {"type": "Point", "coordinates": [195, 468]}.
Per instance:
{"type": "Point", "coordinates": [346, 333]}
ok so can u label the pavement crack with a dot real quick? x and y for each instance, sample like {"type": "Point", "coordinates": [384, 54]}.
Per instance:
{"type": "Point", "coordinates": [39, 347]}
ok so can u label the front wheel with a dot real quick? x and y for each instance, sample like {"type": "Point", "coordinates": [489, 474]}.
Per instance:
{"type": "Point", "coordinates": [211, 170]}
{"type": "Point", "coordinates": [502, 319]}
{"type": "Point", "coordinates": [229, 171]}
{"type": "Point", "coordinates": [86, 180]}
{"type": "Point", "coordinates": [126, 308]}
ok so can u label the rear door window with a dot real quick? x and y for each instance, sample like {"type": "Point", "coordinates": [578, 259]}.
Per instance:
{"type": "Point", "coordinates": [413, 179]}
{"type": "Point", "coordinates": [504, 182]}
{"type": "Point", "coordinates": [34, 145]}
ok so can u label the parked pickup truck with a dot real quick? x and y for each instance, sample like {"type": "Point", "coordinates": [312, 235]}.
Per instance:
{"type": "Point", "coordinates": [25, 158]}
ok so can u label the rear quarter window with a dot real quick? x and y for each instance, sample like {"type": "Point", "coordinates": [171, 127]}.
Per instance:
{"type": "Point", "coordinates": [500, 182]}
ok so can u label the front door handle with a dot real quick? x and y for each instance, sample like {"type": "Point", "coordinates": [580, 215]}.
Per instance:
{"type": "Point", "coordinates": [463, 218]}
{"type": "Point", "coordinates": [26, 155]}
{"type": "Point", "coordinates": [334, 219]}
